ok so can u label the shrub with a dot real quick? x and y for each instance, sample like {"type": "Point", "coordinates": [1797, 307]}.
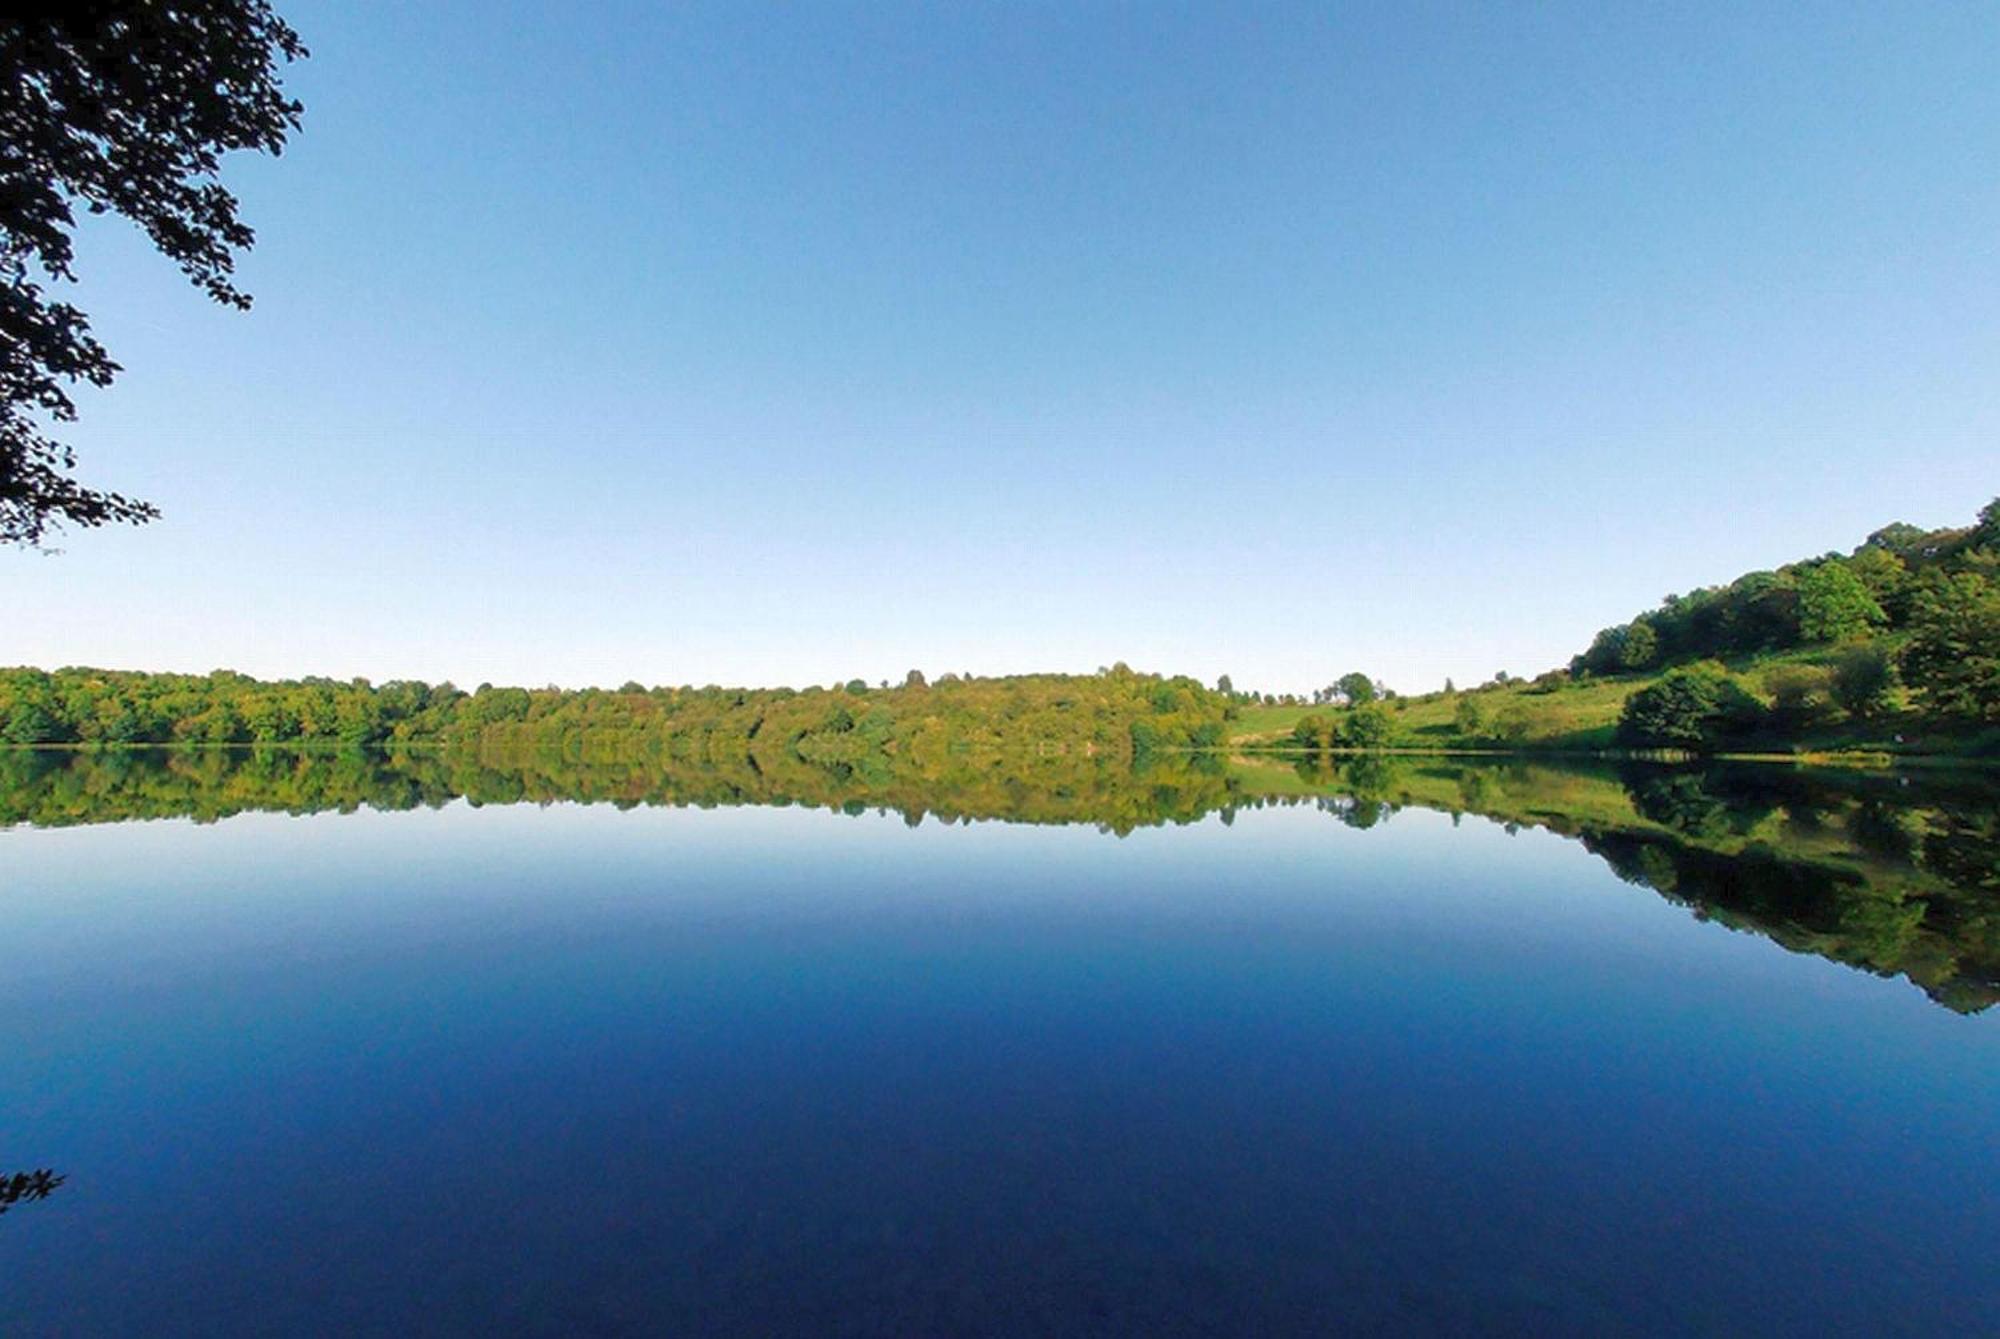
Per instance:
{"type": "Point", "coordinates": [1695, 708]}
{"type": "Point", "coordinates": [1366, 727]}
{"type": "Point", "coordinates": [1800, 696]}
{"type": "Point", "coordinates": [1313, 732]}
{"type": "Point", "coordinates": [1864, 681]}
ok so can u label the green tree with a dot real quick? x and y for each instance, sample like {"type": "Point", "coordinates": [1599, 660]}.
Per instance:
{"type": "Point", "coordinates": [357, 720]}
{"type": "Point", "coordinates": [1605, 656]}
{"type": "Point", "coordinates": [1834, 604]}
{"type": "Point", "coordinates": [1693, 708]}
{"type": "Point", "coordinates": [1886, 576]}
{"type": "Point", "coordinates": [33, 723]}
{"type": "Point", "coordinates": [1357, 688]}
{"type": "Point", "coordinates": [1898, 537]}
{"type": "Point", "coordinates": [1953, 659]}
{"type": "Point", "coordinates": [1639, 648]}
{"type": "Point", "coordinates": [1367, 727]}
{"type": "Point", "coordinates": [1468, 717]}
{"type": "Point", "coordinates": [1864, 680]}
{"type": "Point", "coordinates": [1313, 732]}
{"type": "Point", "coordinates": [1986, 531]}
{"type": "Point", "coordinates": [1799, 696]}
{"type": "Point", "coordinates": [1760, 612]}
{"type": "Point", "coordinates": [124, 107]}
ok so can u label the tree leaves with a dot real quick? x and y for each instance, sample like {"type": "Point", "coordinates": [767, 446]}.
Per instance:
{"type": "Point", "coordinates": [122, 107]}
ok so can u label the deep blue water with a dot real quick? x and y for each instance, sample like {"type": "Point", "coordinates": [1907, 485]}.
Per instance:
{"type": "Point", "coordinates": [776, 1071]}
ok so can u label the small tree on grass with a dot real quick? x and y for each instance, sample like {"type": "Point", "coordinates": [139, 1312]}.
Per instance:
{"type": "Point", "coordinates": [1693, 708]}
{"type": "Point", "coordinates": [1864, 681]}
{"type": "Point", "coordinates": [1313, 732]}
{"type": "Point", "coordinates": [1357, 688]}
{"type": "Point", "coordinates": [1799, 696]}
{"type": "Point", "coordinates": [1367, 727]}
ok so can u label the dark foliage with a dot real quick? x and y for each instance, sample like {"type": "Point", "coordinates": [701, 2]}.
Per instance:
{"type": "Point", "coordinates": [1696, 708]}
{"type": "Point", "coordinates": [123, 107]}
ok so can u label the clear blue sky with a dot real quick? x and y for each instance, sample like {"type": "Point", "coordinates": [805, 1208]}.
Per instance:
{"type": "Point", "coordinates": [762, 344]}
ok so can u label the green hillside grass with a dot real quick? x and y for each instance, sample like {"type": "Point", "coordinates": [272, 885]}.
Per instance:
{"type": "Point", "coordinates": [1582, 716]}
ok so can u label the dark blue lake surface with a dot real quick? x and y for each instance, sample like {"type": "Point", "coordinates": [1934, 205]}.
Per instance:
{"type": "Point", "coordinates": [785, 1071]}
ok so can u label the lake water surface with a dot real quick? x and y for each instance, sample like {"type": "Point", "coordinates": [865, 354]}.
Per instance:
{"type": "Point", "coordinates": [1245, 1049]}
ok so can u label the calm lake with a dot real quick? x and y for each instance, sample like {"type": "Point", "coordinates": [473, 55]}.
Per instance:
{"type": "Point", "coordinates": [1021, 1047]}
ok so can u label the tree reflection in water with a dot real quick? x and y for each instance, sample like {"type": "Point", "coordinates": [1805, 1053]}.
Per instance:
{"type": "Point", "coordinates": [1894, 874]}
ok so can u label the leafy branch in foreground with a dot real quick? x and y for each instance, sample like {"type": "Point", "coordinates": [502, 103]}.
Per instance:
{"type": "Point", "coordinates": [124, 107]}
{"type": "Point", "coordinates": [27, 1187]}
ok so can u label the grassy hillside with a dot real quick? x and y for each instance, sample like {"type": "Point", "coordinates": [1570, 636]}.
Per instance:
{"type": "Point", "coordinates": [1894, 648]}
{"type": "Point", "coordinates": [1574, 715]}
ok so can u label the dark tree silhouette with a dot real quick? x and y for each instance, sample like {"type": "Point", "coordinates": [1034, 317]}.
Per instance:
{"type": "Point", "coordinates": [125, 107]}
{"type": "Point", "coordinates": [27, 1187]}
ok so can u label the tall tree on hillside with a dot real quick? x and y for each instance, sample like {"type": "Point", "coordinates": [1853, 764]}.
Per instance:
{"type": "Point", "coordinates": [1954, 654]}
{"type": "Point", "coordinates": [1835, 605]}
{"type": "Point", "coordinates": [1641, 645]}
{"type": "Point", "coordinates": [123, 107]}
{"type": "Point", "coordinates": [1986, 533]}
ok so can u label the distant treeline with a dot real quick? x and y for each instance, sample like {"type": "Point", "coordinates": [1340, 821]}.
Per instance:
{"type": "Point", "coordinates": [1898, 640]}
{"type": "Point", "coordinates": [1116, 711]}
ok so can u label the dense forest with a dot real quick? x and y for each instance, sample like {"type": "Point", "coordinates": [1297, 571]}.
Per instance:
{"type": "Point", "coordinates": [1116, 712]}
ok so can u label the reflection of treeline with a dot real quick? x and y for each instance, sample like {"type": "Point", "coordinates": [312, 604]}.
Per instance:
{"type": "Point", "coordinates": [1028, 786]}
{"type": "Point", "coordinates": [1896, 877]}
{"type": "Point", "coordinates": [1115, 711]}
{"type": "Point", "coordinates": [1846, 865]}
{"type": "Point", "coordinates": [1944, 940]}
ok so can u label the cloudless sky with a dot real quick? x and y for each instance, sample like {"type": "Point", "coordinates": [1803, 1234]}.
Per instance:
{"type": "Point", "coordinates": [758, 344]}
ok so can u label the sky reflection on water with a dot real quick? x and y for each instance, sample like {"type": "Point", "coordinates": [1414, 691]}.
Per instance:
{"type": "Point", "coordinates": [783, 1070]}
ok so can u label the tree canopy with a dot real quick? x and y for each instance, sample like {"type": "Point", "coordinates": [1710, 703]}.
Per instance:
{"type": "Point", "coordinates": [1119, 712]}
{"type": "Point", "coordinates": [123, 107]}
{"type": "Point", "coordinates": [1692, 708]}
{"type": "Point", "coordinates": [1902, 581]}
